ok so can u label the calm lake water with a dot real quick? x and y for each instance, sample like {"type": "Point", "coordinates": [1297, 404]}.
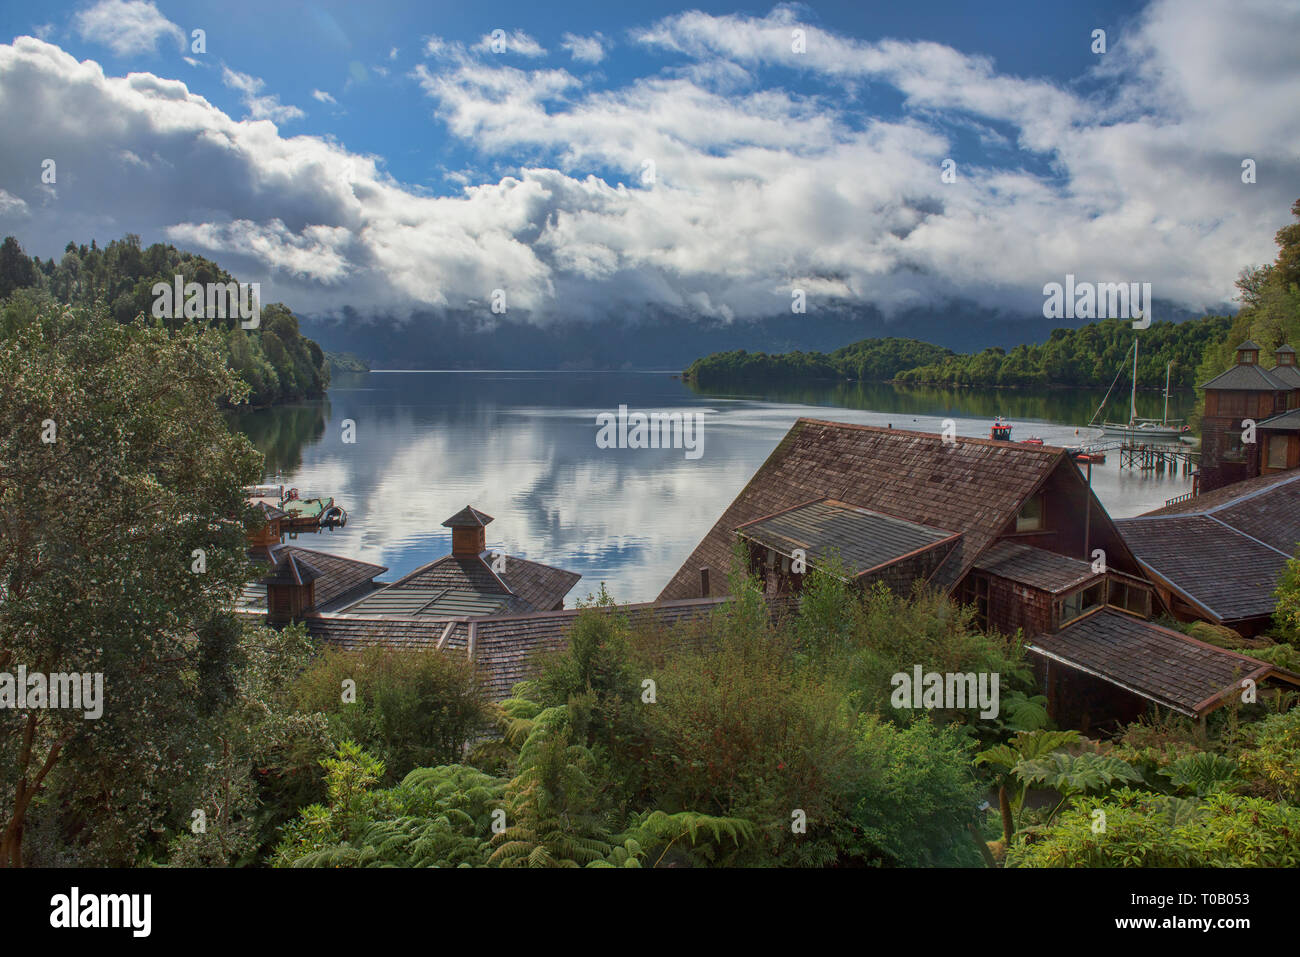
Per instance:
{"type": "Point", "coordinates": [521, 446]}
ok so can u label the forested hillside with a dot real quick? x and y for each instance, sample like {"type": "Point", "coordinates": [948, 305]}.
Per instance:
{"type": "Point", "coordinates": [1086, 357]}
{"type": "Point", "coordinates": [275, 359]}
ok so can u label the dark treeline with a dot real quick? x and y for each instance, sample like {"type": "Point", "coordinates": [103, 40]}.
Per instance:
{"type": "Point", "coordinates": [1086, 357]}
{"type": "Point", "coordinates": [869, 359]}
{"type": "Point", "coordinates": [1081, 358]}
{"type": "Point", "coordinates": [275, 359]}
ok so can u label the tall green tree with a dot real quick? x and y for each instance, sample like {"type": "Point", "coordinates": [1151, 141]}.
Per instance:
{"type": "Point", "coordinates": [120, 539]}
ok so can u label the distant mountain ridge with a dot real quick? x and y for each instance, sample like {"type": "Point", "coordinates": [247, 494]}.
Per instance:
{"type": "Point", "coordinates": [661, 341]}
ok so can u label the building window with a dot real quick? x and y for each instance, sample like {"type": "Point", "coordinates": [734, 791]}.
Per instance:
{"type": "Point", "coordinates": [1233, 450]}
{"type": "Point", "coordinates": [1082, 601]}
{"type": "Point", "coordinates": [1130, 597]}
{"type": "Point", "coordinates": [1030, 518]}
{"type": "Point", "coordinates": [1277, 449]}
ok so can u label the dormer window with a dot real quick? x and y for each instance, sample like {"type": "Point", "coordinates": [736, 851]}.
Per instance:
{"type": "Point", "coordinates": [1031, 515]}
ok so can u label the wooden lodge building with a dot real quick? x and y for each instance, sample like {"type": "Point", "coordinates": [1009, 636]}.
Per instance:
{"type": "Point", "coordinates": [1012, 529]}
{"type": "Point", "coordinates": [1270, 398]}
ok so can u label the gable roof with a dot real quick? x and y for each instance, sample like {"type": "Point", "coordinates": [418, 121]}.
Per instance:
{"type": "Point", "coordinates": [468, 517]}
{"type": "Point", "coordinates": [864, 540]}
{"type": "Point", "coordinates": [1156, 663]}
{"type": "Point", "coordinates": [972, 486]}
{"type": "Point", "coordinates": [1036, 567]}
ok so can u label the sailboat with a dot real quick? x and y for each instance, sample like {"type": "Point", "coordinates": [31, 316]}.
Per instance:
{"type": "Point", "coordinates": [1151, 430]}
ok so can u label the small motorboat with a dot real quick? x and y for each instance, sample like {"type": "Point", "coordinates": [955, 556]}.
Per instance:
{"type": "Point", "coordinates": [311, 512]}
{"type": "Point", "coordinates": [1000, 431]}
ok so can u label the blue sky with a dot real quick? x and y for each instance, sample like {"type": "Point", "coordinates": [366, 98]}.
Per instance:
{"type": "Point", "coordinates": [386, 157]}
{"type": "Point", "coordinates": [347, 51]}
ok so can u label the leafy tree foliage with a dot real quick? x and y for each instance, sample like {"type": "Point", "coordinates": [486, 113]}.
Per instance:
{"type": "Point", "coordinates": [115, 468]}
{"type": "Point", "coordinates": [1270, 311]}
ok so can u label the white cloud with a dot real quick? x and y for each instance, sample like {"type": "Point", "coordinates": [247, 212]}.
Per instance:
{"type": "Point", "coordinates": [127, 26]}
{"type": "Point", "coordinates": [11, 206]}
{"type": "Point", "coordinates": [323, 96]}
{"type": "Point", "coordinates": [512, 41]}
{"type": "Point", "coordinates": [756, 188]}
{"type": "Point", "coordinates": [585, 49]}
{"type": "Point", "coordinates": [259, 107]}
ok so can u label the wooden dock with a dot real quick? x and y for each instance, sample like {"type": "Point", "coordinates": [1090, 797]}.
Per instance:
{"type": "Point", "coordinates": [1158, 459]}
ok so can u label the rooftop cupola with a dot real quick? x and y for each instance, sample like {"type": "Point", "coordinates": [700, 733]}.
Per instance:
{"type": "Point", "coordinates": [1248, 353]}
{"type": "Point", "coordinates": [1284, 355]}
{"type": "Point", "coordinates": [290, 591]}
{"type": "Point", "coordinates": [468, 531]}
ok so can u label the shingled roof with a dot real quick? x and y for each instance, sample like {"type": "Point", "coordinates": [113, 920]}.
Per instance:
{"type": "Point", "coordinates": [292, 570]}
{"type": "Point", "coordinates": [1247, 377]}
{"type": "Point", "coordinates": [461, 584]}
{"type": "Point", "coordinates": [1226, 495]}
{"type": "Point", "coordinates": [334, 575]}
{"type": "Point", "coordinates": [864, 540]}
{"type": "Point", "coordinates": [501, 647]}
{"type": "Point", "coordinates": [1288, 374]}
{"type": "Point", "coordinates": [468, 517]}
{"type": "Point", "coordinates": [1257, 522]}
{"type": "Point", "coordinates": [971, 486]}
{"type": "Point", "coordinates": [1155, 663]}
{"type": "Point", "coordinates": [1284, 421]}
{"type": "Point", "coordinates": [1035, 567]}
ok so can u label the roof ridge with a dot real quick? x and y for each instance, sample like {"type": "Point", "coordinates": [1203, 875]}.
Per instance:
{"type": "Point", "coordinates": [936, 436]}
{"type": "Point", "coordinates": [1233, 528]}
{"type": "Point", "coordinates": [342, 558]}
{"type": "Point", "coordinates": [1248, 496]}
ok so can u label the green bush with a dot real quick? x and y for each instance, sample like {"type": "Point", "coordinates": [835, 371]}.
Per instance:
{"type": "Point", "coordinates": [412, 708]}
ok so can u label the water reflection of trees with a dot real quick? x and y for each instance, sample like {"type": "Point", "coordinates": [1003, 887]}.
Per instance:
{"type": "Point", "coordinates": [1066, 406]}
{"type": "Point", "coordinates": [281, 432]}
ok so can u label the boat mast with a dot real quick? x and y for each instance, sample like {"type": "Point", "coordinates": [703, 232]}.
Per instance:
{"type": "Point", "coordinates": [1133, 414]}
{"type": "Point", "coordinates": [1165, 420]}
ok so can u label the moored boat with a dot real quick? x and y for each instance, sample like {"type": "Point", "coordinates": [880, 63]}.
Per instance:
{"type": "Point", "coordinates": [1143, 430]}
